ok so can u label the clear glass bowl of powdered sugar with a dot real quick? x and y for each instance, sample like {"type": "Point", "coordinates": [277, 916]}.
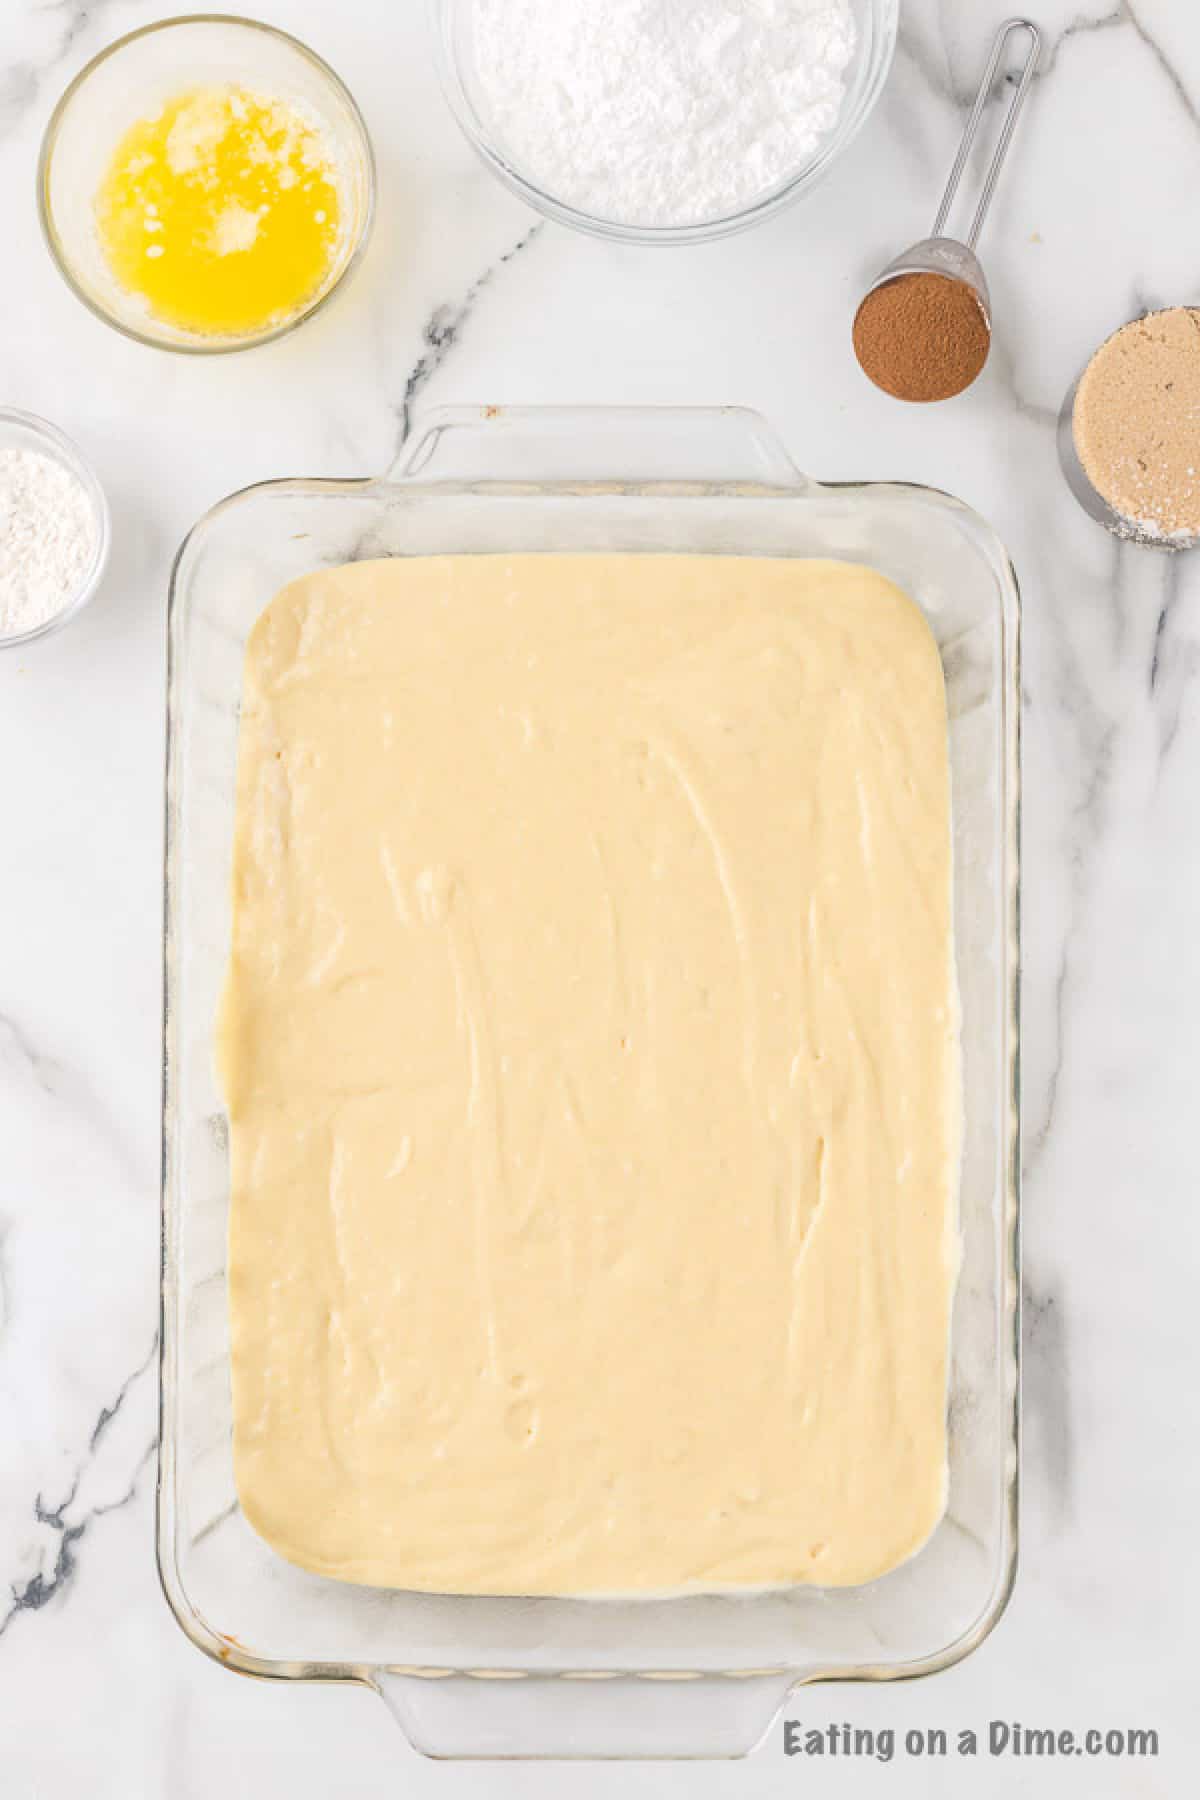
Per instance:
{"type": "Point", "coordinates": [655, 124]}
{"type": "Point", "coordinates": [54, 529]}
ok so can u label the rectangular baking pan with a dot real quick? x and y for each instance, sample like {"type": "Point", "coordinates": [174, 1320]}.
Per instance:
{"type": "Point", "coordinates": [699, 1676]}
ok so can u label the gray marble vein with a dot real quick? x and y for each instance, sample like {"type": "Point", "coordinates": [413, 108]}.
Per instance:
{"type": "Point", "coordinates": [1125, 14]}
{"type": "Point", "coordinates": [23, 82]}
{"type": "Point", "coordinates": [108, 1413]}
{"type": "Point", "coordinates": [1049, 1421]}
{"type": "Point", "coordinates": [443, 328]}
{"type": "Point", "coordinates": [68, 1088]}
{"type": "Point", "coordinates": [45, 1071]}
{"type": "Point", "coordinates": [1175, 663]}
{"type": "Point", "coordinates": [70, 1521]}
{"type": "Point", "coordinates": [1084, 824]}
{"type": "Point", "coordinates": [1083, 25]}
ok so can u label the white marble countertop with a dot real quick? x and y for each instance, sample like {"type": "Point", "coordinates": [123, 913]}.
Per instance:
{"type": "Point", "coordinates": [459, 299]}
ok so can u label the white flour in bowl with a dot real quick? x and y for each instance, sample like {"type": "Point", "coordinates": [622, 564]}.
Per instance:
{"type": "Point", "coordinates": [47, 539]}
{"type": "Point", "coordinates": [661, 112]}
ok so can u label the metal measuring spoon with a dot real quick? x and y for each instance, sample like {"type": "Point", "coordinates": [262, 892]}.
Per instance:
{"type": "Point", "coordinates": [947, 256]}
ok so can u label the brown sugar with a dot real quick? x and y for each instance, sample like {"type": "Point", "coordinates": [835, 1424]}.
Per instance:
{"type": "Point", "coordinates": [1137, 423]}
{"type": "Point", "coordinates": [922, 336]}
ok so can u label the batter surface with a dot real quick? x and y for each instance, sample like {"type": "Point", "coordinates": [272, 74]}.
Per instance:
{"type": "Point", "coordinates": [590, 1053]}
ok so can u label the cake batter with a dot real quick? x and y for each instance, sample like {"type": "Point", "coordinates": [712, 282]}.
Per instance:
{"type": "Point", "coordinates": [589, 1046]}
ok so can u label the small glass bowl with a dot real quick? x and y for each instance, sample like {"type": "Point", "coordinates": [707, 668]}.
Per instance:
{"type": "Point", "coordinates": [877, 22]}
{"type": "Point", "coordinates": [25, 431]}
{"type": "Point", "coordinates": [130, 79]}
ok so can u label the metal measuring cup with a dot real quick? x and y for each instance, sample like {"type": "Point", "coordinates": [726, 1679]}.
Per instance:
{"type": "Point", "coordinates": [941, 255]}
{"type": "Point", "coordinates": [1133, 531]}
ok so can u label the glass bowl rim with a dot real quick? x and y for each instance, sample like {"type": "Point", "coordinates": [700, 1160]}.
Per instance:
{"type": "Point", "coordinates": [53, 241]}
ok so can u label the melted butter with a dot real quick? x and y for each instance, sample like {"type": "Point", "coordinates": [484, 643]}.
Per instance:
{"type": "Point", "coordinates": [590, 1052]}
{"type": "Point", "coordinates": [221, 212]}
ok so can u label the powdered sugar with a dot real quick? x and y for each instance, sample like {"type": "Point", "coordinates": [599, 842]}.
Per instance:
{"type": "Point", "coordinates": [48, 535]}
{"type": "Point", "coordinates": [661, 112]}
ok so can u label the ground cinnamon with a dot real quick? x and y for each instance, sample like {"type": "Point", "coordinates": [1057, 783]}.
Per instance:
{"type": "Point", "coordinates": [922, 336]}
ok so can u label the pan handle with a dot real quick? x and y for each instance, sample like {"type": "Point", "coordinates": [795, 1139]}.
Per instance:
{"type": "Point", "coordinates": [590, 445]}
{"type": "Point", "coordinates": [512, 1715]}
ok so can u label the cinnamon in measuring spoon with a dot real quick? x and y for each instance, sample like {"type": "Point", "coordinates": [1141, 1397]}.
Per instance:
{"type": "Point", "coordinates": [922, 336]}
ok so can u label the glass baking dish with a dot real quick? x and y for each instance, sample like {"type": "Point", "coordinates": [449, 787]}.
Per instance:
{"type": "Point", "coordinates": [698, 1676]}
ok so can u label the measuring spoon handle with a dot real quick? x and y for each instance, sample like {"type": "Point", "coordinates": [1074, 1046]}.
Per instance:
{"type": "Point", "coordinates": [1009, 27]}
